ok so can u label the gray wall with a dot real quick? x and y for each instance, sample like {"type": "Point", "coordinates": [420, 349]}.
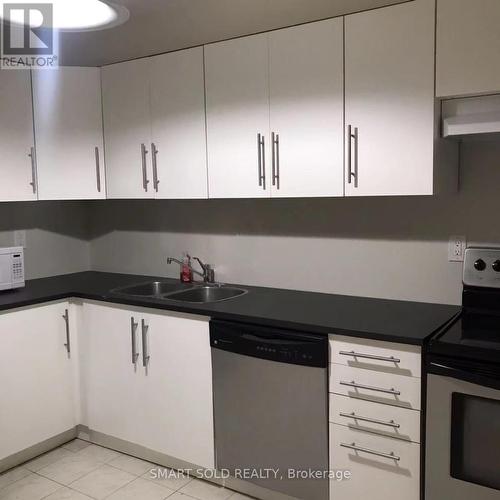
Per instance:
{"type": "Point", "coordinates": [381, 247]}
{"type": "Point", "coordinates": [57, 235]}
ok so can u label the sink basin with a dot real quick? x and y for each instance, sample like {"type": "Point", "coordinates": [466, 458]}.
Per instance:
{"type": "Point", "coordinates": [151, 289]}
{"type": "Point", "coordinates": [204, 294]}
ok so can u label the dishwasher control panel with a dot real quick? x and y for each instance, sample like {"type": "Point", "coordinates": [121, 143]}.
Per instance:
{"type": "Point", "coordinates": [278, 345]}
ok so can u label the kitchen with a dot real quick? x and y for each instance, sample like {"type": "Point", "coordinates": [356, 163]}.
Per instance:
{"type": "Point", "coordinates": [359, 235]}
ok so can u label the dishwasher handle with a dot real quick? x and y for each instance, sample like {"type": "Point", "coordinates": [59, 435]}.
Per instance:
{"type": "Point", "coordinates": [272, 344]}
{"type": "Point", "coordinates": [271, 341]}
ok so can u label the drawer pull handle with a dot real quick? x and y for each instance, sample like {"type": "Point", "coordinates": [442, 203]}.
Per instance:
{"type": "Point", "coordinates": [371, 420]}
{"type": "Point", "coordinates": [370, 388]}
{"type": "Point", "coordinates": [353, 446]}
{"type": "Point", "coordinates": [353, 354]}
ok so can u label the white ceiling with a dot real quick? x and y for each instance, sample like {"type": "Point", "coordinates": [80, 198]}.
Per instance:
{"type": "Point", "coordinates": [157, 26]}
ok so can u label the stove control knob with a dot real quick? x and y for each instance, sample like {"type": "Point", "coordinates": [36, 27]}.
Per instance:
{"type": "Point", "coordinates": [480, 265]}
{"type": "Point", "coordinates": [496, 266]}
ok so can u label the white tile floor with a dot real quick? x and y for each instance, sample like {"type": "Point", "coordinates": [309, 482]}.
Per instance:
{"type": "Point", "coordinates": [82, 471]}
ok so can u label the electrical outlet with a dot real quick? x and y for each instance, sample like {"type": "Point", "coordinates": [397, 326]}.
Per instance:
{"type": "Point", "coordinates": [456, 248]}
{"type": "Point", "coordinates": [20, 239]}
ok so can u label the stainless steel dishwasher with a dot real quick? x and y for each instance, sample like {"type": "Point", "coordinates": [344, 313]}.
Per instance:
{"type": "Point", "coordinates": [270, 406]}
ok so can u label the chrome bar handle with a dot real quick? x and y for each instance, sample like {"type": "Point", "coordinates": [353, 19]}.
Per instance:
{"type": "Point", "coordinates": [389, 359]}
{"type": "Point", "coordinates": [145, 347]}
{"type": "Point", "coordinates": [370, 420]}
{"type": "Point", "coordinates": [350, 173]}
{"type": "Point", "coordinates": [356, 140]}
{"type": "Point", "coordinates": [261, 147]}
{"type": "Point", "coordinates": [98, 169]}
{"type": "Point", "coordinates": [154, 155]}
{"type": "Point", "coordinates": [145, 180]}
{"type": "Point", "coordinates": [370, 388]}
{"type": "Point", "coordinates": [133, 329]}
{"type": "Point", "coordinates": [353, 446]}
{"type": "Point", "coordinates": [66, 321]}
{"type": "Point", "coordinates": [276, 160]}
{"type": "Point", "coordinates": [349, 154]}
{"type": "Point", "coordinates": [32, 155]}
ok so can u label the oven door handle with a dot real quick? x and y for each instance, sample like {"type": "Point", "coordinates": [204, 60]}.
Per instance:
{"type": "Point", "coordinates": [491, 379]}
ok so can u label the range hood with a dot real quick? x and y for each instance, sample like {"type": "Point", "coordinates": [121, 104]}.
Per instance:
{"type": "Point", "coordinates": [472, 117]}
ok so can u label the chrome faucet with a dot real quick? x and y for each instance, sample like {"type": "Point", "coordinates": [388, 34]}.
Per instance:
{"type": "Point", "coordinates": [208, 272]}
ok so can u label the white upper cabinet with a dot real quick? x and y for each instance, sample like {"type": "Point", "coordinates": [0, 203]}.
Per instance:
{"type": "Point", "coordinates": [68, 132]}
{"type": "Point", "coordinates": [307, 110]}
{"type": "Point", "coordinates": [389, 100]}
{"type": "Point", "coordinates": [178, 148]}
{"type": "Point", "coordinates": [468, 47]}
{"type": "Point", "coordinates": [237, 93]}
{"type": "Point", "coordinates": [17, 172]}
{"type": "Point", "coordinates": [127, 129]}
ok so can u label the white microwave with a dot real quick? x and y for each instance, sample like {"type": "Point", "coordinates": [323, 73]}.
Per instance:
{"type": "Point", "coordinates": [11, 268]}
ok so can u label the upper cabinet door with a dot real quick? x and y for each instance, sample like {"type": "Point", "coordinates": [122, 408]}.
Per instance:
{"type": "Point", "coordinates": [178, 148]}
{"type": "Point", "coordinates": [237, 92]}
{"type": "Point", "coordinates": [127, 129]}
{"type": "Point", "coordinates": [468, 47]}
{"type": "Point", "coordinates": [17, 173]}
{"type": "Point", "coordinates": [389, 103]}
{"type": "Point", "coordinates": [68, 131]}
{"type": "Point", "coordinates": [307, 110]}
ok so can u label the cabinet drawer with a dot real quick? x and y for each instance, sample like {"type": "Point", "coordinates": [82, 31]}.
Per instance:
{"type": "Point", "coordinates": [387, 388]}
{"type": "Point", "coordinates": [372, 468]}
{"type": "Point", "coordinates": [385, 420]}
{"type": "Point", "coordinates": [379, 356]}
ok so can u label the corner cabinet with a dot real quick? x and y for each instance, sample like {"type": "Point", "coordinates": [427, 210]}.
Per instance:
{"type": "Point", "coordinates": [148, 379]}
{"type": "Point", "coordinates": [68, 131]}
{"type": "Point", "coordinates": [468, 47]}
{"type": "Point", "coordinates": [275, 113]}
{"type": "Point", "coordinates": [392, 125]}
{"type": "Point", "coordinates": [17, 168]}
{"type": "Point", "coordinates": [154, 127]}
{"type": "Point", "coordinates": [39, 393]}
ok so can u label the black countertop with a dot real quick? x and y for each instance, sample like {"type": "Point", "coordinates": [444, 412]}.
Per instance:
{"type": "Point", "coordinates": [378, 319]}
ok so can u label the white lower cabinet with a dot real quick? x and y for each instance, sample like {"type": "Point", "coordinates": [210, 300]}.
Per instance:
{"type": "Point", "coordinates": [382, 468]}
{"type": "Point", "coordinates": [38, 394]}
{"type": "Point", "coordinates": [374, 419]}
{"type": "Point", "coordinates": [148, 379]}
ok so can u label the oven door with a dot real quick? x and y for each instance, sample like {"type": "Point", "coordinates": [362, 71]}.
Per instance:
{"type": "Point", "coordinates": [463, 431]}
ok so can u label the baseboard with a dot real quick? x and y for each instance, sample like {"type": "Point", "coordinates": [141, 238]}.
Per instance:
{"type": "Point", "coordinates": [36, 450]}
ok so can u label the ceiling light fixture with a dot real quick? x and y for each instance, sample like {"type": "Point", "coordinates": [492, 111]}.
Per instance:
{"type": "Point", "coordinates": [78, 15]}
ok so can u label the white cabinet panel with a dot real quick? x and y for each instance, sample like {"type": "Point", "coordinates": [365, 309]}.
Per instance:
{"type": "Point", "coordinates": [374, 355]}
{"type": "Point", "coordinates": [177, 398]}
{"type": "Point", "coordinates": [237, 93]}
{"type": "Point", "coordinates": [165, 406]}
{"type": "Point", "coordinates": [389, 92]}
{"type": "Point", "coordinates": [385, 420]}
{"type": "Point", "coordinates": [373, 476]}
{"type": "Point", "coordinates": [468, 45]}
{"type": "Point", "coordinates": [178, 124]}
{"type": "Point", "coordinates": [16, 136]}
{"type": "Point", "coordinates": [307, 109]}
{"type": "Point", "coordinates": [37, 392]}
{"type": "Point", "coordinates": [127, 129]}
{"type": "Point", "coordinates": [68, 129]}
{"type": "Point", "coordinates": [112, 381]}
{"type": "Point", "coordinates": [379, 387]}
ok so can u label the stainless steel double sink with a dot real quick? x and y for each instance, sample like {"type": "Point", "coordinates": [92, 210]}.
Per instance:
{"type": "Point", "coordinates": [165, 290]}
